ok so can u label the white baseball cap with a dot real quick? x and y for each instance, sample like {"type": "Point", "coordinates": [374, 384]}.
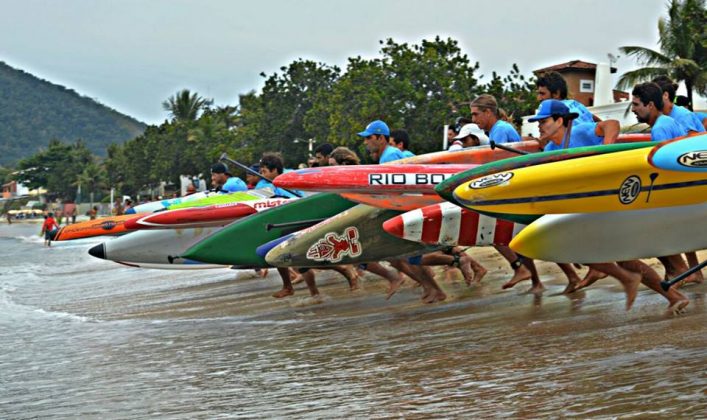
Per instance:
{"type": "Point", "coordinates": [472, 129]}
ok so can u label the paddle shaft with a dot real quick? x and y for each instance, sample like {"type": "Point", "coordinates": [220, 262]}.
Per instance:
{"type": "Point", "coordinates": [225, 157]}
{"type": "Point", "coordinates": [506, 148]}
{"type": "Point", "coordinates": [271, 226]}
{"type": "Point", "coordinates": [668, 284]}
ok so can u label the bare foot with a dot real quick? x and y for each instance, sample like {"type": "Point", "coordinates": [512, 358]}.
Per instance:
{"type": "Point", "coordinates": [590, 278]}
{"type": "Point", "coordinates": [571, 287]}
{"type": "Point", "coordinates": [479, 273]}
{"type": "Point", "coordinates": [284, 292]}
{"type": "Point", "coordinates": [538, 288]}
{"type": "Point", "coordinates": [631, 288]}
{"type": "Point", "coordinates": [435, 296]}
{"type": "Point", "coordinates": [394, 286]}
{"type": "Point", "coordinates": [262, 272]}
{"type": "Point", "coordinates": [467, 272]}
{"type": "Point", "coordinates": [522, 273]}
{"type": "Point", "coordinates": [353, 281]}
{"type": "Point", "coordinates": [678, 307]}
{"type": "Point", "coordinates": [296, 277]}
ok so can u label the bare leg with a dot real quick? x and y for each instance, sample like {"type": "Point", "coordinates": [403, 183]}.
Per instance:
{"type": "Point", "coordinates": [572, 277]}
{"type": "Point", "coordinates": [676, 300]}
{"type": "Point", "coordinates": [308, 277]}
{"type": "Point", "coordinates": [287, 288]}
{"type": "Point", "coordinates": [592, 276]}
{"type": "Point", "coordinates": [520, 272]}
{"type": "Point", "coordinates": [295, 276]}
{"type": "Point", "coordinates": [628, 279]}
{"type": "Point", "coordinates": [535, 279]}
{"type": "Point", "coordinates": [442, 258]}
{"type": "Point", "coordinates": [692, 261]}
{"type": "Point", "coordinates": [395, 279]}
{"type": "Point", "coordinates": [350, 274]}
{"type": "Point", "coordinates": [432, 291]}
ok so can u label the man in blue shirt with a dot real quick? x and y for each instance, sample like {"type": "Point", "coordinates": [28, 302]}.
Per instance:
{"type": "Point", "coordinates": [551, 85]}
{"type": "Point", "coordinates": [401, 140]}
{"type": "Point", "coordinates": [271, 166]}
{"type": "Point", "coordinates": [687, 119]}
{"type": "Point", "coordinates": [553, 120]}
{"type": "Point", "coordinates": [376, 137]}
{"type": "Point", "coordinates": [647, 104]}
{"type": "Point", "coordinates": [223, 181]}
{"type": "Point", "coordinates": [485, 114]}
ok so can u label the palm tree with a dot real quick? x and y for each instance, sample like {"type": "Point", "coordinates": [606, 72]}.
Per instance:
{"type": "Point", "coordinates": [185, 106]}
{"type": "Point", "coordinates": [683, 49]}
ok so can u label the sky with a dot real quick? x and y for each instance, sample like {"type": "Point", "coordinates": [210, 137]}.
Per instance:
{"type": "Point", "coordinates": [131, 55]}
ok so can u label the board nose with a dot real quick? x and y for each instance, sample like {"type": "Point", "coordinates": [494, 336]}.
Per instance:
{"type": "Point", "coordinates": [395, 226]}
{"type": "Point", "coordinates": [98, 251]}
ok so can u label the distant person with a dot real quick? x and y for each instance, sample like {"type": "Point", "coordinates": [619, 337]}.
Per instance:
{"type": "Point", "coordinates": [191, 189]}
{"type": "Point", "coordinates": [223, 181]}
{"type": "Point", "coordinates": [687, 119]}
{"type": "Point", "coordinates": [401, 140]}
{"type": "Point", "coordinates": [376, 137]}
{"type": "Point", "coordinates": [93, 213]}
{"type": "Point", "coordinates": [647, 105]}
{"type": "Point", "coordinates": [321, 154]}
{"type": "Point", "coordinates": [470, 135]}
{"type": "Point", "coordinates": [487, 115]}
{"type": "Point", "coordinates": [128, 205]}
{"type": "Point", "coordinates": [551, 85]}
{"type": "Point", "coordinates": [271, 165]}
{"type": "Point", "coordinates": [49, 229]}
{"type": "Point", "coordinates": [117, 208]}
{"type": "Point", "coordinates": [251, 179]}
{"type": "Point", "coordinates": [8, 216]}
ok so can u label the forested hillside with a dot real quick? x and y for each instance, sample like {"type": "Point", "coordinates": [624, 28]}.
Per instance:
{"type": "Point", "coordinates": [34, 111]}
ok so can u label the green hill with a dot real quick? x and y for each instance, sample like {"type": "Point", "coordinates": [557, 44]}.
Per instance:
{"type": "Point", "coordinates": [34, 111]}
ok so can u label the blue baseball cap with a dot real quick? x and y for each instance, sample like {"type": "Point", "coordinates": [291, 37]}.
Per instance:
{"type": "Point", "coordinates": [552, 107]}
{"type": "Point", "coordinates": [376, 127]}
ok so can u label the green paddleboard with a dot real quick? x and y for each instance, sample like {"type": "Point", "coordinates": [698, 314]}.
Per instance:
{"type": "Point", "coordinates": [447, 187]}
{"type": "Point", "coordinates": [237, 242]}
{"type": "Point", "coordinates": [351, 237]}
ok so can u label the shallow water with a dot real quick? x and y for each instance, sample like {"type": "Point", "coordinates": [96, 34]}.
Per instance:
{"type": "Point", "coordinates": [81, 337]}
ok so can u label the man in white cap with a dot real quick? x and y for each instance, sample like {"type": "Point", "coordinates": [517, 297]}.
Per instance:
{"type": "Point", "coordinates": [470, 135]}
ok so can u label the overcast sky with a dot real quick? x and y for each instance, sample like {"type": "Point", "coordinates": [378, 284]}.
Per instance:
{"type": "Point", "coordinates": [133, 54]}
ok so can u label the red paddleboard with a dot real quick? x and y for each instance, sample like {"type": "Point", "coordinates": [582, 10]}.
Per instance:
{"type": "Point", "coordinates": [370, 178]}
{"type": "Point", "coordinates": [471, 155]}
{"type": "Point", "coordinates": [448, 224]}
{"type": "Point", "coordinates": [193, 217]}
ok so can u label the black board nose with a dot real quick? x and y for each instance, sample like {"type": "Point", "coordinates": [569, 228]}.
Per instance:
{"type": "Point", "coordinates": [98, 251]}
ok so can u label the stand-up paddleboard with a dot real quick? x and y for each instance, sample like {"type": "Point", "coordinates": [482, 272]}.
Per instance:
{"type": "Point", "coordinates": [412, 178]}
{"type": "Point", "coordinates": [471, 155]}
{"type": "Point", "coordinates": [450, 225]}
{"type": "Point", "coordinates": [112, 225]}
{"type": "Point", "coordinates": [154, 247]}
{"type": "Point", "coordinates": [394, 201]}
{"type": "Point", "coordinates": [158, 205]}
{"type": "Point", "coordinates": [236, 244]}
{"type": "Point", "coordinates": [688, 154]}
{"type": "Point", "coordinates": [216, 215]}
{"type": "Point", "coordinates": [614, 236]}
{"type": "Point", "coordinates": [351, 237]}
{"type": "Point", "coordinates": [446, 188]}
{"type": "Point", "coordinates": [610, 182]}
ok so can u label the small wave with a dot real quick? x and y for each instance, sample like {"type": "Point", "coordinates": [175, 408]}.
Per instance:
{"type": "Point", "coordinates": [10, 308]}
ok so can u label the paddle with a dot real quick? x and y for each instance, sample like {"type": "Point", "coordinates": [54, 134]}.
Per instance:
{"type": "Point", "coordinates": [224, 157]}
{"type": "Point", "coordinates": [506, 148]}
{"type": "Point", "coordinates": [668, 284]}
{"type": "Point", "coordinates": [271, 226]}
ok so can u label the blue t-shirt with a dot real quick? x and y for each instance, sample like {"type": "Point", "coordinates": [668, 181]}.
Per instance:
{"type": "Point", "coordinates": [585, 116]}
{"type": "Point", "coordinates": [688, 120]}
{"type": "Point", "coordinates": [583, 134]}
{"type": "Point", "coordinates": [407, 153]}
{"type": "Point", "coordinates": [234, 184]}
{"type": "Point", "coordinates": [277, 190]}
{"type": "Point", "coordinates": [665, 128]}
{"type": "Point", "coordinates": [390, 154]}
{"type": "Point", "coordinates": [502, 132]}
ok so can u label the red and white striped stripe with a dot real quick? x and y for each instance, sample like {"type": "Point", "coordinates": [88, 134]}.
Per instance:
{"type": "Point", "coordinates": [448, 224]}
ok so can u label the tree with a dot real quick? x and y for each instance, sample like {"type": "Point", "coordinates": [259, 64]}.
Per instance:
{"type": "Point", "coordinates": [185, 106]}
{"type": "Point", "coordinates": [515, 95]}
{"type": "Point", "coordinates": [683, 49]}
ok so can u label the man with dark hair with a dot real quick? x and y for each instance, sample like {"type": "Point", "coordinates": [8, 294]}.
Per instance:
{"type": "Point", "coordinates": [647, 105]}
{"type": "Point", "coordinates": [554, 119]}
{"type": "Point", "coordinates": [551, 85]}
{"type": "Point", "coordinates": [684, 117]}
{"type": "Point", "coordinates": [322, 152]}
{"type": "Point", "coordinates": [376, 137]}
{"type": "Point", "coordinates": [271, 166]}
{"type": "Point", "coordinates": [223, 181]}
{"type": "Point", "coordinates": [401, 140]}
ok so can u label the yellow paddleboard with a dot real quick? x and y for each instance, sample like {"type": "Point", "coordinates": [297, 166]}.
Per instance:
{"type": "Point", "coordinates": [611, 182]}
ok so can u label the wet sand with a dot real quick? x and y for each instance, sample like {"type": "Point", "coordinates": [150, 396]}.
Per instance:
{"type": "Point", "coordinates": [103, 340]}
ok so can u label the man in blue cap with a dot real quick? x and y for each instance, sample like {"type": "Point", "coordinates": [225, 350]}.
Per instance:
{"type": "Point", "coordinates": [557, 131]}
{"type": "Point", "coordinates": [376, 136]}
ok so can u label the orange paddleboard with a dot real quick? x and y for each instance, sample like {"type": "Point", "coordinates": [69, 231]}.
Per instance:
{"type": "Point", "coordinates": [113, 225]}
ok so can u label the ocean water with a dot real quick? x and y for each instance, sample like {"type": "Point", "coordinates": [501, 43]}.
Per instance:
{"type": "Point", "coordinates": [86, 338]}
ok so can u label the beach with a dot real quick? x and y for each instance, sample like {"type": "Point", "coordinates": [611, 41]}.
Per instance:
{"type": "Point", "coordinates": [83, 337]}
